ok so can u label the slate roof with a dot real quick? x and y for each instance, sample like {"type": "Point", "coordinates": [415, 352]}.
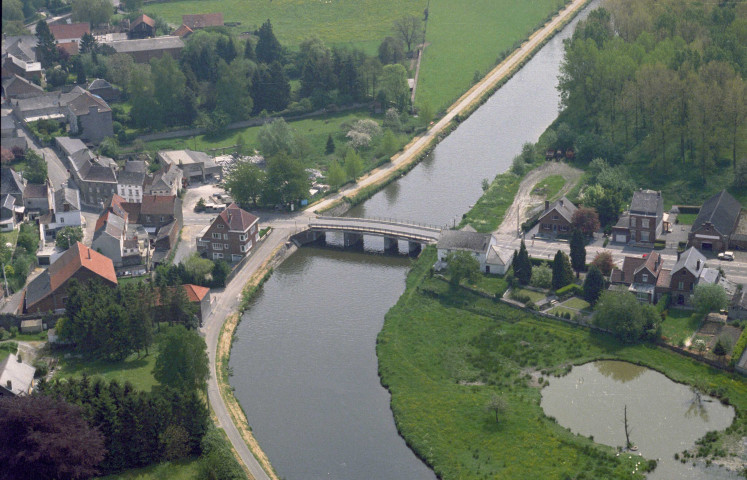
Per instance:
{"type": "Point", "coordinates": [70, 145]}
{"type": "Point", "coordinates": [740, 299]}
{"type": "Point", "coordinates": [21, 47]}
{"type": "Point", "coordinates": [166, 230]}
{"type": "Point", "coordinates": [35, 190]}
{"type": "Point", "coordinates": [12, 142]}
{"type": "Point", "coordinates": [237, 219]}
{"type": "Point", "coordinates": [653, 263]}
{"type": "Point", "coordinates": [99, 173]}
{"type": "Point", "coordinates": [111, 224]}
{"type": "Point", "coordinates": [721, 210]}
{"type": "Point", "coordinates": [564, 207]}
{"type": "Point", "coordinates": [135, 166]}
{"type": "Point", "coordinates": [708, 275]}
{"type": "Point", "coordinates": [145, 44]}
{"type": "Point", "coordinates": [82, 104]}
{"type": "Point", "coordinates": [131, 178]}
{"type": "Point", "coordinates": [48, 100]}
{"type": "Point", "coordinates": [19, 374]}
{"type": "Point", "coordinates": [7, 123]}
{"type": "Point", "coordinates": [461, 240]}
{"type": "Point", "coordinates": [67, 195]}
{"type": "Point", "coordinates": [499, 256]}
{"type": "Point", "coordinates": [11, 182]}
{"type": "Point", "coordinates": [158, 205]}
{"type": "Point", "coordinates": [647, 202]}
{"type": "Point", "coordinates": [65, 31]}
{"type": "Point", "coordinates": [15, 84]}
{"type": "Point", "coordinates": [99, 83]}
{"type": "Point", "coordinates": [7, 204]}
{"type": "Point", "coordinates": [689, 260]}
{"type": "Point", "coordinates": [203, 20]}
{"type": "Point", "coordinates": [629, 267]}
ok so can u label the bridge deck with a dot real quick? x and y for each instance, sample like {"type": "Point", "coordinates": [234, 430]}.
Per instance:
{"type": "Point", "coordinates": [381, 227]}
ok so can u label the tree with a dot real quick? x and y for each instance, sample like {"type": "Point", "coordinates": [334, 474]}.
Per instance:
{"type": "Point", "coordinates": [353, 164]}
{"type": "Point", "coordinates": [36, 167]}
{"type": "Point", "coordinates": [593, 285]}
{"type": "Point", "coordinates": [133, 5]}
{"type": "Point", "coordinates": [541, 276]}
{"type": "Point", "coordinates": [497, 405]}
{"type": "Point", "coordinates": [336, 174]}
{"type": "Point", "coordinates": [182, 361]}
{"type": "Point", "coordinates": [246, 183]}
{"type": "Point", "coordinates": [95, 12]}
{"type": "Point", "coordinates": [197, 267]}
{"type": "Point", "coordinates": [629, 320]}
{"type": "Point", "coordinates": [522, 265]}
{"type": "Point", "coordinates": [287, 180]}
{"type": "Point", "coordinates": [47, 438]}
{"type": "Point", "coordinates": [562, 274]}
{"type": "Point", "coordinates": [88, 43]}
{"type": "Point", "coordinates": [46, 44]}
{"type": "Point", "coordinates": [68, 236]}
{"type": "Point", "coordinates": [719, 349]}
{"type": "Point", "coordinates": [268, 48]}
{"type": "Point", "coordinates": [169, 91]}
{"type": "Point", "coordinates": [270, 88]}
{"type": "Point", "coordinates": [709, 297]}
{"type": "Point", "coordinates": [391, 51]}
{"type": "Point", "coordinates": [408, 28]}
{"type": "Point", "coordinates": [578, 251]}
{"type": "Point", "coordinates": [330, 148]}
{"type": "Point", "coordinates": [586, 220]}
{"type": "Point", "coordinates": [277, 136]}
{"type": "Point", "coordinates": [462, 266]}
{"type": "Point", "coordinates": [603, 261]}
{"type": "Point", "coordinates": [232, 89]}
{"type": "Point", "coordinates": [394, 85]}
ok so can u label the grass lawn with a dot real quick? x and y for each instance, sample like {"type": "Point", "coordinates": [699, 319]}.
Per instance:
{"type": "Point", "coordinates": [9, 237]}
{"type": "Point", "coordinates": [31, 337]}
{"type": "Point", "coordinates": [679, 325]}
{"type": "Point", "coordinates": [686, 218]}
{"type": "Point", "coordinates": [489, 210]}
{"type": "Point", "coordinates": [139, 372]}
{"type": "Point", "coordinates": [533, 296]}
{"type": "Point", "coordinates": [559, 309]}
{"type": "Point", "coordinates": [444, 354]}
{"type": "Point", "coordinates": [491, 283]}
{"type": "Point", "coordinates": [468, 36]}
{"type": "Point", "coordinates": [358, 23]}
{"type": "Point", "coordinates": [549, 187]}
{"type": "Point", "coordinates": [180, 470]}
{"type": "Point", "coordinates": [123, 280]}
{"type": "Point", "coordinates": [577, 303]}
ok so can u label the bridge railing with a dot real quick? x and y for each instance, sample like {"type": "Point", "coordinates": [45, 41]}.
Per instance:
{"type": "Point", "coordinates": [393, 221]}
{"type": "Point", "coordinates": [375, 231]}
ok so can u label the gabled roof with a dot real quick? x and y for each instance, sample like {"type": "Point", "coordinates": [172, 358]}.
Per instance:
{"type": "Point", "coordinates": [499, 256]}
{"type": "Point", "coordinates": [68, 196]}
{"type": "Point", "coordinates": [653, 264]}
{"type": "Point", "coordinates": [7, 204]}
{"type": "Point", "coordinates": [143, 19]}
{"type": "Point", "coordinates": [110, 224]}
{"type": "Point", "coordinates": [195, 293]}
{"type": "Point", "coordinates": [70, 145]}
{"type": "Point", "coordinates": [721, 210]}
{"type": "Point", "coordinates": [182, 31]}
{"type": "Point", "coordinates": [66, 31]}
{"type": "Point", "coordinates": [99, 83]}
{"type": "Point", "coordinates": [116, 204]}
{"type": "Point", "coordinates": [131, 178]}
{"type": "Point", "coordinates": [19, 374]}
{"type": "Point", "coordinates": [237, 219]}
{"type": "Point", "coordinates": [564, 207]}
{"type": "Point", "coordinates": [16, 85]}
{"type": "Point", "coordinates": [461, 240]}
{"type": "Point", "coordinates": [629, 267]}
{"type": "Point", "coordinates": [203, 20]}
{"type": "Point", "coordinates": [708, 275]}
{"type": "Point", "coordinates": [36, 190]}
{"type": "Point", "coordinates": [21, 47]}
{"type": "Point", "coordinates": [7, 123]}
{"type": "Point", "coordinates": [665, 279]}
{"type": "Point", "coordinates": [158, 205]}
{"type": "Point", "coordinates": [99, 173]}
{"type": "Point", "coordinates": [83, 103]}
{"type": "Point", "coordinates": [11, 182]}
{"type": "Point", "coordinates": [135, 166]}
{"type": "Point", "coordinates": [689, 260]}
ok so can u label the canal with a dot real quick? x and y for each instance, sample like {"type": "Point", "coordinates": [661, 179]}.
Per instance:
{"type": "Point", "coordinates": [304, 364]}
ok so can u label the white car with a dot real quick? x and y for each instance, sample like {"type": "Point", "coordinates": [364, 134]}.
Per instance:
{"type": "Point", "coordinates": [726, 256]}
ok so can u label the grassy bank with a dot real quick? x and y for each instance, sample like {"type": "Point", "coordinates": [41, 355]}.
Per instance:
{"type": "Point", "coordinates": [490, 209]}
{"type": "Point", "coordinates": [443, 354]}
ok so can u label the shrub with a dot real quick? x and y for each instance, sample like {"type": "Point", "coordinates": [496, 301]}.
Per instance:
{"type": "Point", "coordinates": [739, 348]}
{"type": "Point", "coordinates": [569, 291]}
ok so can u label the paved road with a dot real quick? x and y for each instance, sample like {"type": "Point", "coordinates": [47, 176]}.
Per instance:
{"type": "Point", "coordinates": [56, 170]}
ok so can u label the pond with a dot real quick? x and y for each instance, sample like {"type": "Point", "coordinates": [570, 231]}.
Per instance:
{"type": "Point", "coordinates": [664, 417]}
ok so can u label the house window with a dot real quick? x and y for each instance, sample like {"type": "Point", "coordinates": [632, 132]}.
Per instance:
{"type": "Point", "coordinates": [216, 235]}
{"type": "Point", "coordinates": [225, 236]}
{"type": "Point", "coordinates": [644, 223]}
{"type": "Point", "coordinates": [220, 225]}
{"type": "Point", "coordinates": [644, 278]}
{"type": "Point", "coordinates": [554, 217]}
{"type": "Point", "coordinates": [217, 246]}
{"type": "Point", "coordinates": [62, 219]}
{"type": "Point", "coordinates": [225, 245]}
{"type": "Point", "coordinates": [680, 285]}
{"type": "Point", "coordinates": [162, 218]}
{"type": "Point", "coordinates": [217, 256]}
{"type": "Point", "coordinates": [242, 238]}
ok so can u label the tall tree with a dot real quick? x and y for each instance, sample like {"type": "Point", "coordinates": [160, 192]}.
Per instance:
{"type": "Point", "coordinates": [268, 48]}
{"type": "Point", "coordinates": [95, 12]}
{"type": "Point", "coordinates": [578, 251]}
{"type": "Point", "coordinates": [182, 361]}
{"type": "Point", "coordinates": [462, 266]}
{"type": "Point", "coordinates": [391, 51]}
{"type": "Point", "coordinates": [287, 181]}
{"type": "Point", "coordinates": [68, 236]}
{"type": "Point", "coordinates": [623, 315]}
{"type": "Point", "coordinates": [409, 28]}
{"type": "Point", "coordinates": [336, 174]}
{"type": "Point", "coordinates": [562, 274]}
{"type": "Point", "coordinates": [169, 90]}
{"type": "Point", "coordinates": [232, 89]}
{"type": "Point", "coordinates": [522, 265]}
{"type": "Point", "coordinates": [46, 44]}
{"type": "Point", "coordinates": [245, 183]}
{"type": "Point", "coordinates": [585, 220]}
{"type": "Point", "coordinates": [603, 261]}
{"type": "Point", "coordinates": [36, 167]}
{"type": "Point", "coordinates": [394, 85]}
{"type": "Point", "coordinates": [593, 285]}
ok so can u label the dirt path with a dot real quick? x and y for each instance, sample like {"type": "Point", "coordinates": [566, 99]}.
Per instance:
{"type": "Point", "coordinates": [524, 200]}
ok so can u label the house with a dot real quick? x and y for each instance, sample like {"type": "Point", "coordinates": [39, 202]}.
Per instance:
{"type": "Point", "coordinates": [556, 218]}
{"type": "Point", "coordinates": [23, 47]}
{"type": "Point", "coordinates": [69, 146]}
{"type": "Point", "coordinates": [143, 50]}
{"type": "Point", "coordinates": [197, 295]}
{"type": "Point", "coordinates": [12, 65]}
{"type": "Point", "coordinates": [194, 165]}
{"type": "Point", "coordinates": [52, 105]}
{"type": "Point", "coordinates": [109, 237]}
{"type": "Point", "coordinates": [478, 245]}
{"type": "Point", "coordinates": [37, 199]}
{"type": "Point", "coordinates": [69, 32]}
{"type": "Point", "coordinates": [716, 222]}
{"type": "Point", "coordinates": [685, 275]}
{"type": "Point", "coordinates": [12, 183]}
{"type": "Point", "coordinates": [142, 27]}
{"type": "Point", "coordinates": [16, 86]}
{"type": "Point", "coordinates": [90, 117]}
{"type": "Point", "coordinates": [498, 260]}
{"type": "Point", "coordinates": [644, 222]}
{"type": "Point", "coordinates": [644, 276]}
{"type": "Point", "coordinates": [195, 22]}
{"type": "Point", "coordinates": [8, 127]}
{"type": "Point", "coordinates": [9, 218]}
{"type": "Point", "coordinates": [167, 181]}
{"type": "Point", "coordinates": [231, 236]}
{"type": "Point", "coordinates": [48, 291]}
{"type": "Point", "coordinates": [102, 88]}
{"type": "Point", "coordinates": [16, 377]}
{"type": "Point", "coordinates": [738, 305]}
{"type": "Point", "coordinates": [157, 211]}
{"type": "Point", "coordinates": [183, 31]}
{"type": "Point", "coordinates": [63, 212]}
{"type": "Point", "coordinates": [130, 183]}
{"type": "Point", "coordinates": [95, 176]}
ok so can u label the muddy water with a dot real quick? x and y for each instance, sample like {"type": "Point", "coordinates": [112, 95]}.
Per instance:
{"type": "Point", "coordinates": [663, 416]}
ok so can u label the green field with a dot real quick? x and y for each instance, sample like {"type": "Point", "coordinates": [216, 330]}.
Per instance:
{"type": "Point", "coordinates": [356, 23]}
{"type": "Point", "coordinates": [680, 325]}
{"type": "Point", "coordinates": [686, 218]}
{"type": "Point", "coordinates": [467, 36]}
{"type": "Point", "coordinates": [488, 212]}
{"type": "Point", "coordinates": [443, 354]}
{"type": "Point", "coordinates": [549, 187]}
{"type": "Point", "coordinates": [180, 470]}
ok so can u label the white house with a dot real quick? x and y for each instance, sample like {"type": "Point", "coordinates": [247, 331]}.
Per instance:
{"type": "Point", "coordinates": [480, 245]}
{"type": "Point", "coordinates": [64, 211]}
{"type": "Point", "coordinates": [130, 182]}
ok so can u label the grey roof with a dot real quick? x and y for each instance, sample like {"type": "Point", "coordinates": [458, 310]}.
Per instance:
{"type": "Point", "coordinates": [67, 195]}
{"type": "Point", "coordinates": [98, 173]}
{"type": "Point", "coordinates": [689, 260]}
{"type": "Point", "coordinates": [13, 142]}
{"type": "Point", "coordinates": [8, 122]}
{"type": "Point", "coordinates": [6, 206]}
{"type": "Point", "coordinates": [565, 208]}
{"type": "Point", "coordinates": [721, 210]}
{"type": "Point", "coordinates": [708, 275]}
{"type": "Point", "coordinates": [82, 161]}
{"type": "Point", "coordinates": [20, 46]}
{"type": "Point", "coordinates": [10, 81]}
{"type": "Point", "coordinates": [647, 202]}
{"type": "Point", "coordinates": [145, 44]}
{"type": "Point", "coordinates": [99, 83]}
{"type": "Point", "coordinates": [131, 178]}
{"type": "Point", "coordinates": [137, 166]}
{"type": "Point", "coordinates": [11, 182]}
{"type": "Point", "coordinates": [70, 145]}
{"type": "Point", "coordinates": [740, 299]}
{"type": "Point", "coordinates": [38, 288]}
{"type": "Point", "coordinates": [460, 240]}
{"type": "Point", "coordinates": [20, 375]}
{"type": "Point", "coordinates": [114, 226]}
{"type": "Point", "coordinates": [35, 190]}
{"type": "Point", "coordinates": [86, 101]}
{"type": "Point", "coordinates": [49, 100]}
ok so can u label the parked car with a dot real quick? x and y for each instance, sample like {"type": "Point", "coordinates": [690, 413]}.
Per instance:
{"type": "Point", "coordinates": [729, 256]}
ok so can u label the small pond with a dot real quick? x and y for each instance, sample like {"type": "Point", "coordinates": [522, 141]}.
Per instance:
{"type": "Point", "coordinates": [663, 416]}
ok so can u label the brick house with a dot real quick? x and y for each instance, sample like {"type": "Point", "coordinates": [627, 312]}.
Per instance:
{"type": "Point", "coordinates": [716, 223]}
{"type": "Point", "coordinates": [197, 295]}
{"type": "Point", "coordinates": [556, 219]}
{"type": "Point", "coordinates": [685, 275]}
{"type": "Point", "coordinates": [167, 181]}
{"type": "Point", "coordinates": [69, 32]}
{"type": "Point", "coordinates": [143, 27]}
{"type": "Point", "coordinates": [644, 277]}
{"type": "Point", "coordinates": [231, 236]}
{"type": "Point", "coordinates": [644, 222]}
{"type": "Point", "coordinates": [90, 116]}
{"type": "Point", "coordinates": [157, 211]}
{"type": "Point", "coordinates": [48, 291]}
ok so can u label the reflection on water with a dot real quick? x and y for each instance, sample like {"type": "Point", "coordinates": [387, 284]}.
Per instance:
{"type": "Point", "coordinates": [665, 417]}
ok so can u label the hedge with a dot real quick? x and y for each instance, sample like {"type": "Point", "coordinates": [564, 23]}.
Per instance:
{"type": "Point", "coordinates": [573, 289]}
{"type": "Point", "coordinates": [736, 353]}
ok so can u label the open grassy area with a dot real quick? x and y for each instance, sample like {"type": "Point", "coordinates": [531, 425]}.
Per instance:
{"type": "Point", "coordinates": [443, 354]}
{"type": "Point", "coordinates": [489, 210]}
{"type": "Point", "coordinates": [468, 36]}
{"type": "Point", "coordinates": [577, 303]}
{"type": "Point", "coordinates": [180, 470]}
{"type": "Point", "coordinates": [679, 325]}
{"type": "Point", "coordinates": [549, 187]}
{"type": "Point", "coordinates": [533, 296]}
{"type": "Point", "coordinates": [686, 218]}
{"type": "Point", "coordinates": [359, 23]}
{"type": "Point", "coordinates": [9, 237]}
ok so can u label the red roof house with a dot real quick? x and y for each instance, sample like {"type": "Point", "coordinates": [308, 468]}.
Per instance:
{"type": "Point", "coordinates": [203, 20]}
{"type": "Point", "coordinates": [69, 32]}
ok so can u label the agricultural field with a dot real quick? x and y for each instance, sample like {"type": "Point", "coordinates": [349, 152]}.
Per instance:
{"type": "Point", "coordinates": [353, 23]}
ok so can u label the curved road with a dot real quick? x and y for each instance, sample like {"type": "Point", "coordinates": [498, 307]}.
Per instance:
{"type": "Point", "coordinates": [228, 300]}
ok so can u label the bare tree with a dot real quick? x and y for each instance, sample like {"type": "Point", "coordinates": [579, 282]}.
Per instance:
{"type": "Point", "coordinates": [408, 28]}
{"type": "Point", "coordinates": [496, 404]}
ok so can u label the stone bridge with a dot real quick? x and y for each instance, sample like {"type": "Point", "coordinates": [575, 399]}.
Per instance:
{"type": "Point", "coordinates": [353, 229]}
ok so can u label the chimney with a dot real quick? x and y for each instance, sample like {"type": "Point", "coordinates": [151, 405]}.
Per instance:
{"type": "Point", "coordinates": [9, 385]}
{"type": "Point", "coordinates": [561, 202]}
{"type": "Point", "coordinates": [547, 205]}
{"type": "Point", "coordinates": [697, 265]}
{"type": "Point", "coordinates": [678, 255]}
{"type": "Point", "coordinates": [88, 250]}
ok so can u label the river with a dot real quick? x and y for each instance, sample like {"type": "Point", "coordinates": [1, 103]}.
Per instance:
{"type": "Point", "coordinates": [305, 367]}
